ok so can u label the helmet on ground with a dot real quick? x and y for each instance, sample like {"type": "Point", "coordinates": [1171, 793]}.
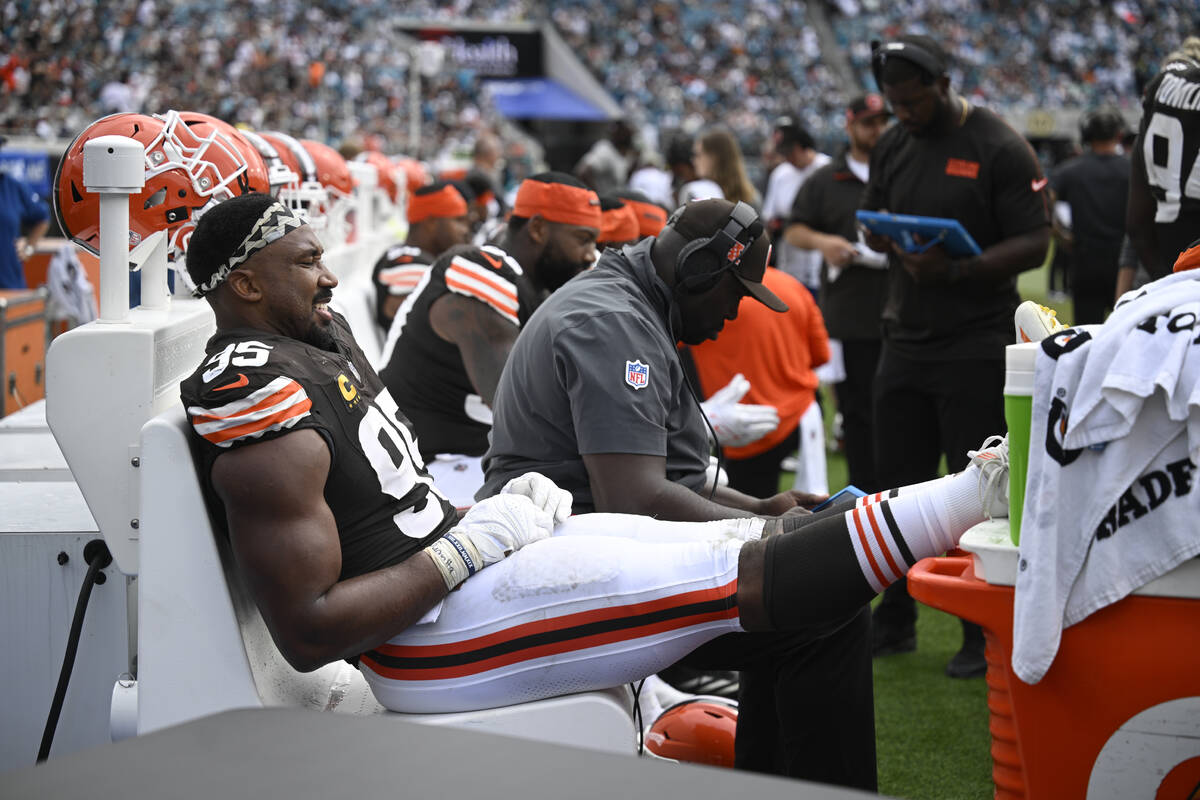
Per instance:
{"type": "Point", "coordinates": [700, 730]}
{"type": "Point", "coordinates": [188, 167]}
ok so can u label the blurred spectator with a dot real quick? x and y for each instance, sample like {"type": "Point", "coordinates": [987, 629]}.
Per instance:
{"type": "Point", "coordinates": [1094, 188]}
{"type": "Point", "coordinates": [606, 166]}
{"type": "Point", "coordinates": [854, 278]}
{"type": "Point", "coordinates": [677, 67]}
{"type": "Point", "coordinates": [653, 180]}
{"type": "Point", "coordinates": [800, 159]}
{"type": "Point", "coordinates": [688, 184]}
{"type": "Point", "coordinates": [1017, 56]}
{"type": "Point", "coordinates": [718, 158]}
{"type": "Point", "coordinates": [24, 220]}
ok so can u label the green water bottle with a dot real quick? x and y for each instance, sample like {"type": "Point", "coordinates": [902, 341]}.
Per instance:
{"type": "Point", "coordinates": [1019, 360]}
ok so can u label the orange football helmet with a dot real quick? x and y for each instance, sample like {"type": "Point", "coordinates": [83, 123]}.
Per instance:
{"type": "Point", "coordinates": [699, 730]}
{"type": "Point", "coordinates": [391, 177]}
{"type": "Point", "coordinates": [189, 166]}
{"type": "Point", "coordinates": [278, 170]}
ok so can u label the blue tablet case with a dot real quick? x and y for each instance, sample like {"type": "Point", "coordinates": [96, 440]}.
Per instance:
{"type": "Point", "coordinates": [905, 230]}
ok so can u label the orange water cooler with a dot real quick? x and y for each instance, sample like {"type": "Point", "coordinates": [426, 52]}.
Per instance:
{"type": "Point", "coordinates": [1118, 713]}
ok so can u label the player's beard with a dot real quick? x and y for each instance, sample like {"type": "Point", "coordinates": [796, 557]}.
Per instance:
{"type": "Point", "coordinates": [319, 335]}
{"type": "Point", "coordinates": [554, 268]}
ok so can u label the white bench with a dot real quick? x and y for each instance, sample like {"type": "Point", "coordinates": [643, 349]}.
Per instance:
{"type": "Point", "coordinates": [203, 646]}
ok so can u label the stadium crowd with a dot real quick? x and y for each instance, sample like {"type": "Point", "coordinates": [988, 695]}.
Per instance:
{"type": "Point", "coordinates": [338, 69]}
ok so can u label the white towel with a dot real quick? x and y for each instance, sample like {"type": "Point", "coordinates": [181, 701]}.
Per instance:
{"type": "Point", "coordinates": [1099, 522]}
{"type": "Point", "coordinates": [71, 295]}
{"type": "Point", "coordinates": [1147, 343]}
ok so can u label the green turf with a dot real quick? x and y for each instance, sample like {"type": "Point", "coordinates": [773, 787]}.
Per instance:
{"type": "Point", "coordinates": [931, 731]}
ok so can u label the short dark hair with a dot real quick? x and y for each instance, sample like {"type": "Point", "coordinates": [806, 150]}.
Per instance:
{"type": "Point", "coordinates": [1101, 125]}
{"type": "Point", "coordinates": [792, 133]}
{"type": "Point", "coordinates": [679, 151]}
{"type": "Point", "coordinates": [220, 231]}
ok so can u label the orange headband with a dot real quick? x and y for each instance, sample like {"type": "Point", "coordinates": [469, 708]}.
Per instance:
{"type": "Point", "coordinates": [618, 224]}
{"type": "Point", "coordinates": [445, 202]}
{"type": "Point", "coordinates": [651, 219]}
{"type": "Point", "coordinates": [1188, 259]}
{"type": "Point", "coordinates": [558, 202]}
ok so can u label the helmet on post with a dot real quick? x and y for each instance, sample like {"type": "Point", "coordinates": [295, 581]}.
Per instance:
{"type": "Point", "coordinates": [189, 166]}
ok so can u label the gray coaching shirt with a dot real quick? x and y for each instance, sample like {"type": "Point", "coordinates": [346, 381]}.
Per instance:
{"type": "Point", "coordinates": [595, 370]}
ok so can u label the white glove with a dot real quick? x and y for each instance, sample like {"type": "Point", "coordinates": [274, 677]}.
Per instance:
{"type": "Point", "coordinates": [713, 475]}
{"type": "Point", "coordinates": [490, 531]}
{"type": "Point", "coordinates": [737, 424]}
{"type": "Point", "coordinates": [544, 493]}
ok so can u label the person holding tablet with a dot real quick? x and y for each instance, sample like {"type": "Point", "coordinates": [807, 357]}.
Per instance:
{"type": "Point", "coordinates": [946, 319]}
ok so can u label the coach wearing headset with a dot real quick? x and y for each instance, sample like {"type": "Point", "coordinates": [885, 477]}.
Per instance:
{"type": "Point", "coordinates": [594, 397]}
{"type": "Point", "coordinates": [946, 321]}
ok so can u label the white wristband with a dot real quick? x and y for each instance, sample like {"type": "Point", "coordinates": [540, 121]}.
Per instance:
{"type": "Point", "coordinates": [455, 558]}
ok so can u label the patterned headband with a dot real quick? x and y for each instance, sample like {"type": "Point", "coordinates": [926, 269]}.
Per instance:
{"type": "Point", "coordinates": [275, 223]}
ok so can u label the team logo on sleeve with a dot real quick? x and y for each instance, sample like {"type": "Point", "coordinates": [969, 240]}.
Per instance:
{"type": "Point", "coordinates": [637, 374]}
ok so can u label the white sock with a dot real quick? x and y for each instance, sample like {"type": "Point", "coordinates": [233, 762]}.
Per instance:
{"type": "Point", "coordinates": [903, 526]}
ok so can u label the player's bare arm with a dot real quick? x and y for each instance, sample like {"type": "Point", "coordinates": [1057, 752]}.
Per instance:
{"type": "Point", "coordinates": [286, 544]}
{"type": "Point", "coordinates": [837, 250]}
{"type": "Point", "coordinates": [482, 336]}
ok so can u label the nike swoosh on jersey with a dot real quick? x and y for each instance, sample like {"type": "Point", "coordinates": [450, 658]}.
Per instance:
{"type": "Point", "coordinates": [242, 380]}
{"type": "Point", "coordinates": [278, 405]}
{"type": "Point", "coordinates": [1037, 185]}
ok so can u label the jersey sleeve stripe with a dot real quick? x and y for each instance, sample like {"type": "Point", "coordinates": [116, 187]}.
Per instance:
{"type": "Point", "coordinates": [259, 399]}
{"type": "Point", "coordinates": [470, 287]}
{"type": "Point", "coordinates": [277, 421]}
{"type": "Point", "coordinates": [280, 404]}
{"type": "Point", "coordinates": [461, 267]}
{"type": "Point", "coordinates": [402, 280]}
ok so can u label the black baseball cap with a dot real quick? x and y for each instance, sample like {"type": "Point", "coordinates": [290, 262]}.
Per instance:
{"type": "Point", "coordinates": [866, 105]}
{"type": "Point", "coordinates": [697, 219]}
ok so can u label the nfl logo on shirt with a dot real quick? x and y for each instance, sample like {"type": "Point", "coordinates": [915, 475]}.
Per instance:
{"type": "Point", "coordinates": [637, 374]}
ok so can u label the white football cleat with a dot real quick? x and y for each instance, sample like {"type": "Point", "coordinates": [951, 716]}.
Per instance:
{"type": "Point", "coordinates": [1035, 322]}
{"type": "Point", "coordinates": [992, 460]}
